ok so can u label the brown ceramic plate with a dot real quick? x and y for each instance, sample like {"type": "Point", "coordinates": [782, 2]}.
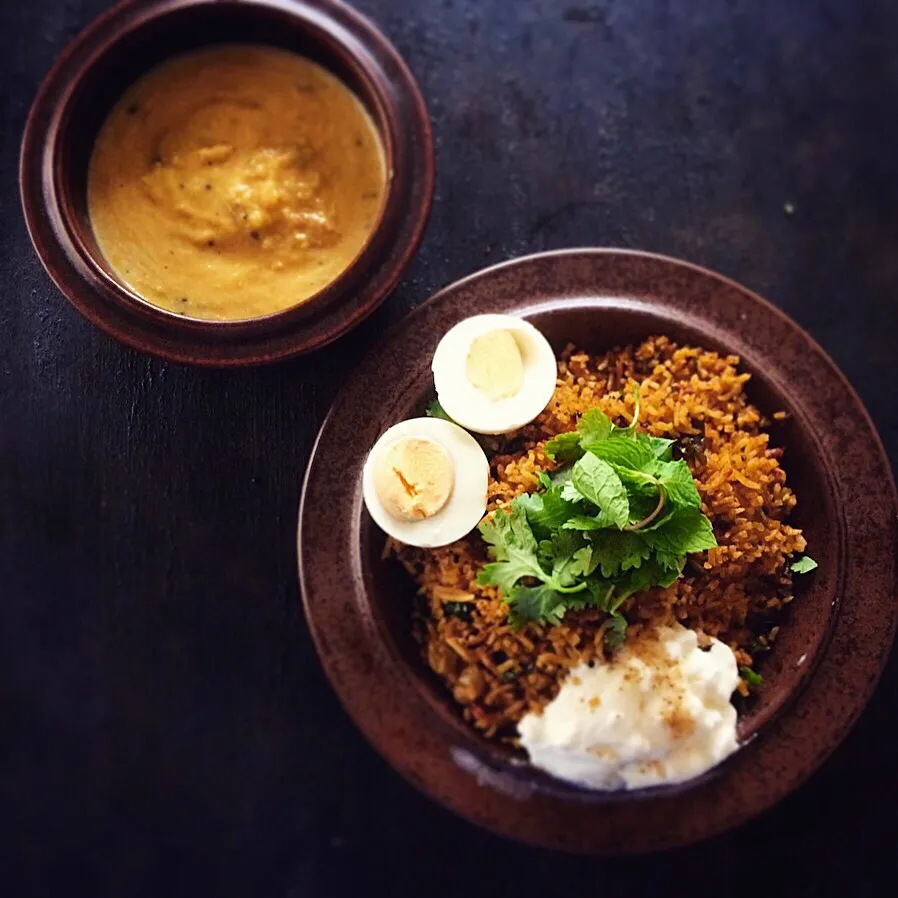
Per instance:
{"type": "Point", "coordinates": [830, 650]}
{"type": "Point", "coordinates": [132, 38]}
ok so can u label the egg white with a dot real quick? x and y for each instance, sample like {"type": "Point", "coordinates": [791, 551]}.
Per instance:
{"type": "Point", "coordinates": [467, 502]}
{"type": "Point", "coordinates": [473, 409]}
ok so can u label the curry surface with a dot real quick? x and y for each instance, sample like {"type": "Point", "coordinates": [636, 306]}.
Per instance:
{"type": "Point", "coordinates": [235, 182]}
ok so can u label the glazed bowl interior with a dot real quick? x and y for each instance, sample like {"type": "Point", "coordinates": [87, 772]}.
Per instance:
{"type": "Point", "coordinates": [805, 623]}
{"type": "Point", "coordinates": [173, 32]}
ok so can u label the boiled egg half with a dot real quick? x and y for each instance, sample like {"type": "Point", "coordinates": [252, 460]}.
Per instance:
{"type": "Point", "coordinates": [494, 373]}
{"type": "Point", "coordinates": [425, 482]}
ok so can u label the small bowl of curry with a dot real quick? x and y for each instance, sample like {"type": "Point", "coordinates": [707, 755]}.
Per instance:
{"type": "Point", "coordinates": [227, 183]}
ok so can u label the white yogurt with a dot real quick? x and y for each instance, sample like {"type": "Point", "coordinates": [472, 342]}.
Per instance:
{"type": "Point", "coordinates": [660, 712]}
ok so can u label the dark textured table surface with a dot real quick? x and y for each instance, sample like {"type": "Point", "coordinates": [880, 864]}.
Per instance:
{"type": "Point", "coordinates": [165, 728]}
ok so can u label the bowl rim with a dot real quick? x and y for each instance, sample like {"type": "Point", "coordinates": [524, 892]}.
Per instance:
{"type": "Point", "coordinates": [503, 808]}
{"type": "Point", "coordinates": [406, 137]}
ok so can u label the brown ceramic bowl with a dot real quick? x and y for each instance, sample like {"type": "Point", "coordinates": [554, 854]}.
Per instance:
{"type": "Point", "coordinates": [132, 38]}
{"type": "Point", "coordinates": [834, 639]}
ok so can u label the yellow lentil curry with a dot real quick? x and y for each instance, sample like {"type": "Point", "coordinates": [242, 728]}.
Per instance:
{"type": "Point", "coordinates": [235, 182]}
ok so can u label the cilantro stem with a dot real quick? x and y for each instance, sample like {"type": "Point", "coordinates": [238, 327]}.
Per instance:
{"type": "Point", "coordinates": [612, 609]}
{"type": "Point", "coordinates": [569, 589]}
{"type": "Point", "coordinates": [646, 521]}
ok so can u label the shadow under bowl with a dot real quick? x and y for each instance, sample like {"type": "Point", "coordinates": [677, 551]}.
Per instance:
{"type": "Point", "coordinates": [130, 39]}
{"type": "Point", "coordinates": [359, 606]}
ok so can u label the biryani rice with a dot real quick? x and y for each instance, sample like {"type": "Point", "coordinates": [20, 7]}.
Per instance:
{"type": "Point", "coordinates": [497, 673]}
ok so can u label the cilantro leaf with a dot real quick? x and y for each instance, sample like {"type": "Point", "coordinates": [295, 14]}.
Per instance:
{"type": "Point", "coordinates": [561, 477]}
{"type": "Point", "coordinates": [545, 481]}
{"type": "Point", "coordinates": [616, 634]}
{"type": "Point", "coordinates": [546, 511]}
{"type": "Point", "coordinates": [597, 482]}
{"type": "Point", "coordinates": [669, 562]}
{"type": "Point", "coordinates": [803, 565]}
{"type": "Point", "coordinates": [435, 410]}
{"type": "Point", "coordinates": [686, 530]}
{"type": "Point", "coordinates": [633, 581]}
{"type": "Point", "coordinates": [535, 603]}
{"type": "Point", "coordinates": [618, 551]}
{"type": "Point", "coordinates": [513, 547]}
{"type": "Point", "coordinates": [600, 593]}
{"type": "Point", "coordinates": [507, 532]}
{"type": "Point", "coordinates": [567, 559]}
{"type": "Point", "coordinates": [505, 574]}
{"type": "Point", "coordinates": [751, 677]}
{"type": "Point", "coordinates": [669, 574]}
{"type": "Point", "coordinates": [517, 554]}
{"type": "Point", "coordinates": [587, 560]}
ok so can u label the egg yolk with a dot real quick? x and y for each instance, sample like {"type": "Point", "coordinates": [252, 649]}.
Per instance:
{"type": "Point", "coordinates": [414, 479]}
{"type": "Point", "coordinates": [495, 366]}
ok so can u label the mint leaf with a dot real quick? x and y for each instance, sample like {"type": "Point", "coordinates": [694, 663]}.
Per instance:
{"type": "Point", "coordinates": [661, 448]}
{"type": "Point", "coordinates": [564, 448]}
{"type": "Point", "coordinates": [638, 483]}
{"type": "Point", "coordinates": [679, 487]}
{"type": "Point", "coordinates": [621, 449]}
{"type": "Point", "coordinates": [601, 521]}
{"type": "Point", "coordinates": [594, 426]}
{"type": "Point", "coordinates": [535, 603]}
{"type": "Point", "coordinates": [803, 565]}
{"type": "Point", "coordinates": [686, 530]}
{"type": "Point", "coordinates": [597, 482]}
